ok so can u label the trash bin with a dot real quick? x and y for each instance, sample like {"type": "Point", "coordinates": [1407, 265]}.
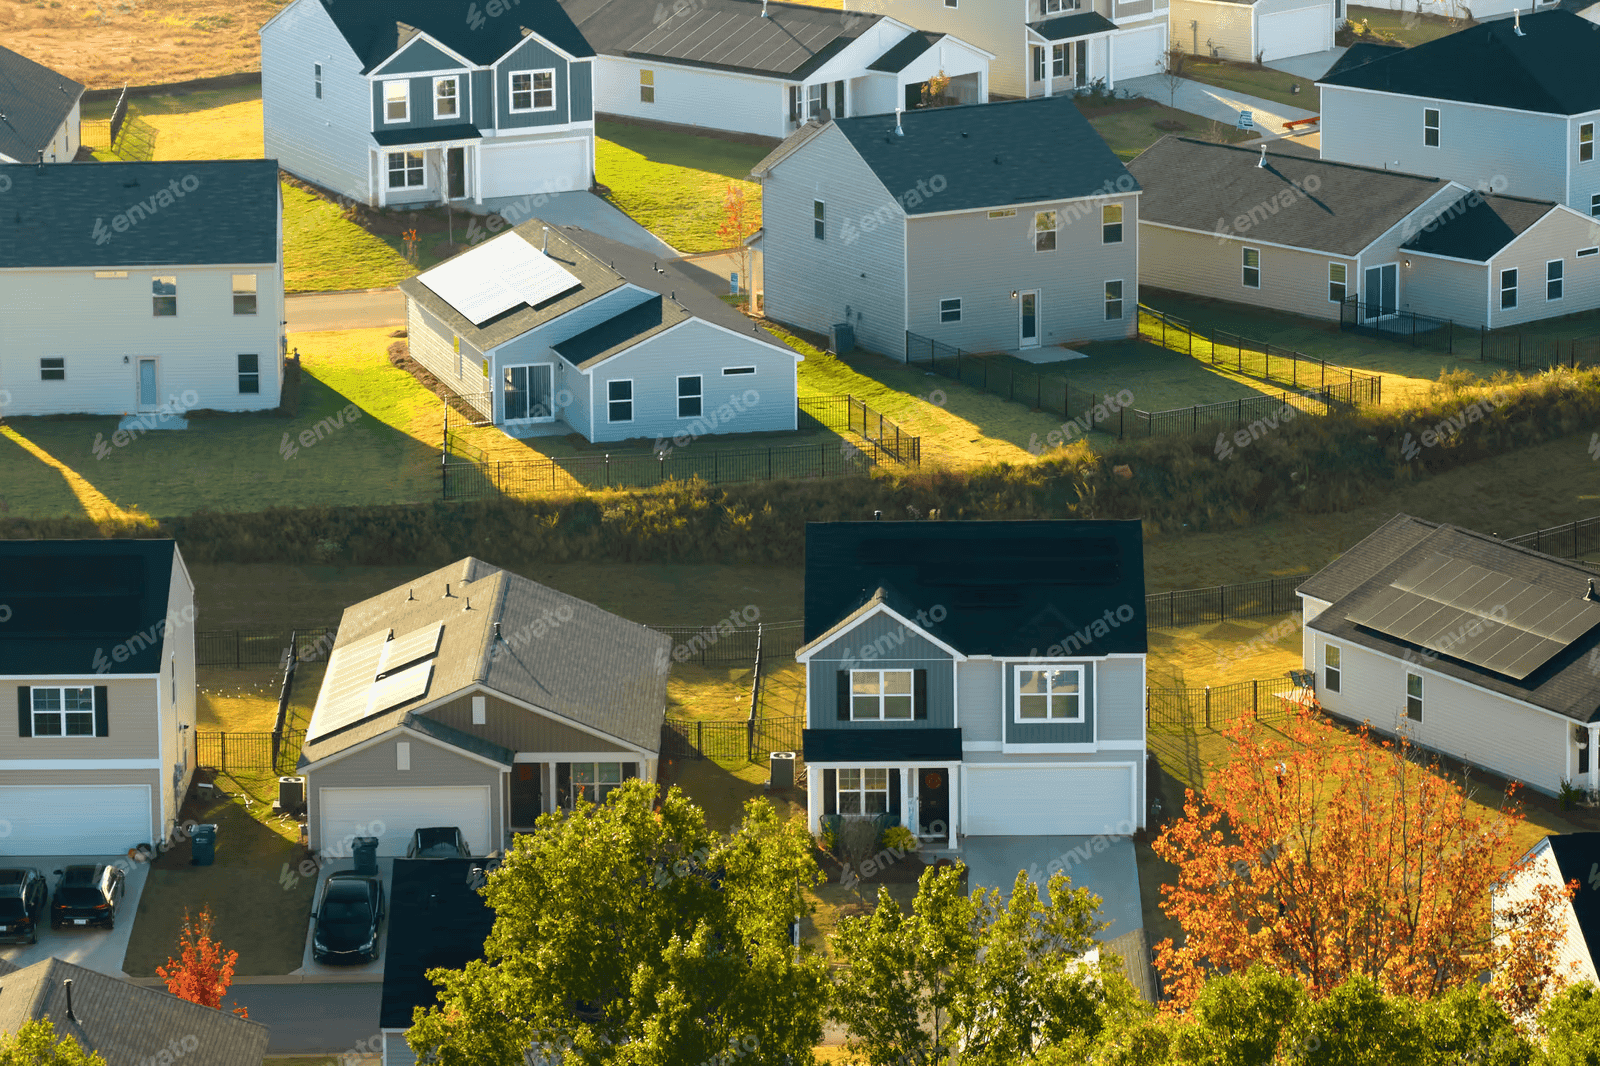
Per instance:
{"type": "Point", "coordinates": [204, 845]}
{"type": "Point", "coordinates": [365, 850]}
{"type": "Point", "coordinates": [780, 766]}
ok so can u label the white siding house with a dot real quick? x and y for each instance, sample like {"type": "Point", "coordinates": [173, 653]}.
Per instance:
{"type": "Point", "coordinates": [42, 109]}
{"type": "Point", "coordinates": [1554, 862]}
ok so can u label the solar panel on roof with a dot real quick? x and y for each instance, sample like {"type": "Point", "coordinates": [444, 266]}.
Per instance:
{"type": "Point", "coordinates": [345, 687]}
{"type": "Point", "coordinates": [403, 687]}
{"type": "Point", "coordinates": [495, 277]}
{"type": "Point", "coordinates": [410, 648]}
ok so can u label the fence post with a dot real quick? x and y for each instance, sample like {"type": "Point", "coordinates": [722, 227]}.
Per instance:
{"type": "Point", "coordinates": [1255, 700]}
{"type": "Point", "coordinates": [222, 738]}
{"type": "Point", "coordinates": [1196, 412]}
{"type": "Point", "coordinates": [238, 653]}
{"type": "Point", "coordinates": [1208, 706]}
{"type": "Point", "coordinates": [700, 737]}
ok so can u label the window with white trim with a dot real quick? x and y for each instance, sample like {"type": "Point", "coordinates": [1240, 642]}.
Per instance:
{"type": "Point", "coordinates": [1414, 697]}
{"type": "Point", "coordinates": [533, 90]}
{"type": "Point", "coordinates": [164, 296]}
{"type": "Point", "coordinates": [244, 294]}
{"type": "Point", "coordinates": [397, 101]}
{"type": "Point", "coordinates": [1113, 300]}
{"type": "Point", "coordinates": [819, 220]}
{"type": "Point", "coordinates": [316, 76]}
{"type": "Point", "coordinates": [1038, 62]}
{"type": "Point", "coordinates": [863, 791]}
{"type": "Point", "coordinates": [1585, 253]}
{"type": "Point", "coordinates": [447, 97]}
{"type": "Point", "coordinates": [1051, 694]}
{"type": "Point", "coordinates": [1586, 142]}
{"type": "Point", "coordinates": [1555, 271]}
{"type": "Point", "coordinates": [690, 392]}
{"type": "Point", "coordinates": [1508, 289]}
{"type": "Point", "coordinates": [1058, 61]}
{"type": "Point", "coordinates": [1250, 268]}
{"type": "Point", "coordinates": [1331, 671]}
{"type": "Point", "coordinates": [950, 310]}
{"type": "Point", "coordinates": [619, 400]}
{"type": "Point", "coordinates": [594, 780]}
{"type": "Point", "coordinates": [880, 695]}
{"type": "Point", "coordinates": [1594, 205]}
{"type": "Point", "coordinates": [1111, 224]}
{"type": "Point", "coordinates": [647, 86]}
{"type": "Point", "coordinates": [1430, 127]}
{"type": "Point", "coordinates": [407, 170]}
{"type": "Point", "coordinates": [1338, 279]}
{"type": "Point", "coordinates": [1044, 231]}
{"type": "Point", "coordinates": [730, 371]}
{"type": "Point", "coordinates": [249, 374]}
{"type": "Point", "coordinates": [63, 712]}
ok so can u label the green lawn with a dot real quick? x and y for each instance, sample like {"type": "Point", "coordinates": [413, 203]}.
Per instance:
{"type": "Point", "coordinates": [673, 183]}
{"type": "Point", "coordinates": [1404, 27]}
{"type": "Point", "coordinates": [1268, 84]}
{"type": "Point", "coordinates": [323, 252]}
{"type": "Point", "coordinates": [1130, 126]}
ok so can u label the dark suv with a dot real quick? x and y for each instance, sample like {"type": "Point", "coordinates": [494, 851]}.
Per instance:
{"type": "Point", "coordinates": [438, 842]}
{"type": "Point", "coordinates": [22, 902]}
{"type": "Point", "coordinates": [86, 895]}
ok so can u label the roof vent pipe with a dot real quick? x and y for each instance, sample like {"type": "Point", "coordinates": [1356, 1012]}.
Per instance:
{"type": "Point", "coordinates": [67, 987]}
{"type": "Point", "coordinates": [763, 8]}
{"type": "Point", "coordinates": [1516, 23]}
{"type": "Point", "coordinates": [547, 240]}
{"type": "Point", "coordinates": [1591, 595]}
{"type": "Point", "coordinates": [447, 591]}
{"type": "Point", "coordinates": [497, 635]}
{"type": "Point", "coordinates": [411, 594]}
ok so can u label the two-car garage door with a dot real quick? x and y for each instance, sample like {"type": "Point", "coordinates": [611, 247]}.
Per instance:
{"type": "Point", "coordinates": [1049, 800]}
{"type": "Point", "coordinates": [73, 820]}
{"type": "Point", "coordinates": [390, 814]}
{"type": "Point", "coordinates": [1138, 53]}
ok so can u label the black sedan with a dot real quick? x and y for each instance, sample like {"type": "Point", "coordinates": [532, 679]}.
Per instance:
{"type": "Point", "coordinates": [23, 898]}
{"type": "Point", "coordinates": [347, 919]}
{"type": "Point", "coordinates": [439, 842]}
{"type": "Point", "coordinates": [87, 895]}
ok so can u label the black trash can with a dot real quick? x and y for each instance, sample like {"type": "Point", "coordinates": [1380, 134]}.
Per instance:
{"type": "Point", "coordinates": [365, 850]}
{"type": "Point", "coordinates": [204, 845]}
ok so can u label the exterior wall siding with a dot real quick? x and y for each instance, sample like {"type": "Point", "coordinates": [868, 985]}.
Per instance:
{"type": "Point", "coordinates": [582, 82]}
{"type": "Point", "coordinates": [994, 25]}
{"type": "Point", "coordinates": [1558, 235]}
{"type": "Point", "coordinates": [321, 140]}
{"type": "Point", "coordinates": [1200, 264]}
{"type": "Point", "coordinates": [881, 643]}
{"type": "Point", "coordinates": [1572, 954]}
{"type": "Point", "coordinates": [978, 693]}
{"type": "Point", "coordinates": [1442, 288]}
{"type": "Point", "coordinates": [1121, 699]}
{"type": "Point", "coordinates": [1054, 732]}
{"type": "Point", "coordinates": [532, 54]}
{"type": "Point", "coordinates": [132, 722]}
{"type": "Point", "coordinates": [741, 103]}
{"type": "Point", "coordinates": [1224, 28]}
{"type": "Point", "coordinates": [519, 729]}
{"type": "Point", "coordinates": [431, 765]}
{"type": "Point", "coordinates": [433, 345]}
{"type": "Point", "coordinates": [177, 655]}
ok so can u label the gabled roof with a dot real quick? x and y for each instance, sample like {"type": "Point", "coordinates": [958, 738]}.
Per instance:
{"type": "Point", "coordinates": [445, 922]}
{"type": "Point", "coordinates": [1479, 226]}
{"type": "Point", "coordinates": [376, 29]}
{"type": "Point", "coordinates": [990, 155]}
{"type": "Point", "coordinates": [34, 101]}
{"type": "Point", "coordinates": [74, 602]}
{"type": "Point", "coordinates": [1577, 855]}
{"type": "Point", "coordinates": [1070, 27]}
{"type": "Point", "coordinates": [593, 345]}
{"type": "Point", "coordinates": [124, 1023]}
{"type": "Point", "coordinates": [1005, 588]}
{"type": "Point", "coordinates": [908, 49]}
{"type": "Point", "coordinates": [1359, 54]}
{"type": "Point", "coordinates": [1343, 209]}
{"type": "Point", "coordinates": [1566, 684]}
{"type": "Point", "coordinates": [776, 40]}
{"type": "Point", "coordinates": [1548, 68]}
{"type": "Point", "coordinates": [189, 213]}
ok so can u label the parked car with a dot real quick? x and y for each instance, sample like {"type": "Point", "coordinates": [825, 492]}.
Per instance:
{"type": "Point", "coordinates": [87, 895]}
{"type": "Point", "coordinates": [439, 842]}
{"type": "Point", "coordinates": [347, 919]}
{"type": "Point", "coordinates": [23, 895]}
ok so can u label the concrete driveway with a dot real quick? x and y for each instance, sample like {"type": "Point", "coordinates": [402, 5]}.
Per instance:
{"type": "Point", "coordinates": [311, 1019]}
{"type": "Point", "coordinates": [1111, 873]}
{"type": "Point", "coordinates": [100, 950]}
{"type": "Point", "coordinates": [574, 209]}
{"type": "Point", "coordinates": [1211, 102]}
{"type": "Point", "coordinates": [312, 970]}
{"type": "Point", "coordinates": [1310, 66]}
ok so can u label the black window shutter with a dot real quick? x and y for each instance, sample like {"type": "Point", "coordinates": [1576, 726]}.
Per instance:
{"type": "Point", "coordinates": [564, 784]}
{"type": "Point", "coordinates": [894, 795]}
{"type": "Point", "coordinates": [844, 695]}
{"type": "Point", "coordinates": [630, 770]}
{"type": "Point", "coordinates": [24, 711]}
{"type": "Point", "coordinates": [919, 701]}
{"type": "Point", "coordinates": [102, 711]}
{"type": "Point", "coordinates": [830, 792]}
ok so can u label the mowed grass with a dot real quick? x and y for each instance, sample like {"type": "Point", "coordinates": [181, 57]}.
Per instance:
{"type": "Point", "coordinates": [1269, 84]}
{"type": "Point", "coordinates": [246, 701]}
{"type": "Point", "coordinates": [673, 183]}
{"type": "Point", "coordinates": [209, 124]}
{"type": "Point", "coordinates": [1406, 27]}
{"type": "Point", "coordinates": [1130, 127]}
{"type": "Point", "coordinates": [325, 252]}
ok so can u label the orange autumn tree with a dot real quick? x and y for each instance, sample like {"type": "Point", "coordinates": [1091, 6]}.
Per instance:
{"type": "Point", "coordinates": [1323, 856]}
{"type": "Point", "coordinates": [204, 968]}
{"type": "Point", "coordinates": [739, 222]}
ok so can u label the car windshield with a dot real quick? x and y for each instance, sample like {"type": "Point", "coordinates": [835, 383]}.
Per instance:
{"type": "Point", "coordinates": [431, 839]}
{"type": "Point", "coordinates": [10, 907]}
{"type": "Point", "coordinates": [79, 896]}
{"type": "Point", "coordinates": [346, 912]}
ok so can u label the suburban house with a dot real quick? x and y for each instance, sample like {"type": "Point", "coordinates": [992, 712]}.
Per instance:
{"type": "Point", "coordinates": [1258, 31]}
{"type": "Point", "coordinates": [125, 1024]}
{"type": "Point", "coordinates": [98, 644]}
{"type": "Point", "coordinates": [475, 698]}
{"type": "Point", "coordinates": [1472, 647]}
{"type": "Point", "coordinates": [548, 330]}
{"type": "Point", "coordinates": [42, 112]}
{"type": "Point", "coordinates": [174, 276]}
{"type": "Point", "coordinates": [765, 68]}
{"type": "Point", "coordinates": [419, 101]}
{"type": "Point", "coordinates": [1556, 860]}
{"type": "Point", "coordinates": [1511, 103]}
{"type": "Point", "coordinates": [961, 224]}
{"type": "Point", "coordinates": [976, 678]}
{"type": "Point", "coordinates": [1282, 229]}
{"type": "Point", "coordinates": [1043, 47]}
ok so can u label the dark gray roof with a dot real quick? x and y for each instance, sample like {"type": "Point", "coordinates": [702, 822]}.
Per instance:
{"type": "Point", "coordinates": [1550, 68]}
{"type": "Point", "coordinates": [1192, 184]}
{"type": "Point", "coordinates": [446, 922]}
{"type": "Point", "coordinates": [464, 131]}
{"type": "Point", "coordinates": [73, 602]}
{"type": "Point", "coordinates": [910, 47]}
{"type": "Point", "coordinates": [990, 155]}
{"type": "Point", "coordinates": [458, 738]}
{"type": "Point", "coordinates": [1358, 54]}
{"type": "Point", "coordinates": [1068, 27]}
{"type": "Point", "coordinates": [128, 1024]}
{"type": "Point", "coordinates": [655, 315]}
{"type": "Point", "coordinates": [63, 216]}
{"type": "Point", "coordinates": [1577, 855]}
{"type": "Point", "coordinates": [375, 29]}
{"type": "Point", "coordinates": [792, 41]}
{"type": "Point", "coordinates": [881, 596]}
{"type": "Point", "coordinates": [34, 102]}
{"type": "Point", "coordinates": [1566, 684]}
{"type": "Point", "coordinates": [1476, 227]}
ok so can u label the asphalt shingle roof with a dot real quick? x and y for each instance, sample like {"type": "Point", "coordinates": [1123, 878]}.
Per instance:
{"type": "Point", "coordinates": [223, 211]}
{"type": "Point", "coordinates": [34, 102]}
{"type": "Point", "coordinates": [73, 602]}
{"type": "Point", "coordinates": [1068, 27]}
{"type": "Point", "coordinates": [1359, 54]}
{"type": "Point", "coordinates": [375, 29]}
{"type": "Point", "coordinates": [444, 922]}
{"type": "Point", "coordinates": [464, 131]}
{"type": "Point", "coordinates": [1477, 226]}
{"type": "Point", "coordinates": [1550, 68]}
{"type": "Point", "coordinates": [1192, 184]}
{"type": "Point", "coordinates": [1577, 855]}
{"type": "Point", "coordinates": [901, 55]}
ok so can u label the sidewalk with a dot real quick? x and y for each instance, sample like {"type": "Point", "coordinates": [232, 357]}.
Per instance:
{"type": "Point", "coordinates": [1210, 102]}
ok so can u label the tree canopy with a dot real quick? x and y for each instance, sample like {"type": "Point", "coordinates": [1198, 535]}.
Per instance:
{"type": "Point", "coordinates": [36, 1044]}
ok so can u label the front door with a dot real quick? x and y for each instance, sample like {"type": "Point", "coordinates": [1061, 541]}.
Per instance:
{"type": "Point", "coordinates": [1080, 64]}
{"type": "Point", "coordinates": [457, 166]}
{"type": "Point", "coordinates": [1028, 309]}
{"type": "Point", "coordinates": [527, 794]}
{"type": "Point", "coordinates": [149, 398]}
{"type": "Point", "coordinates": [529, 392]}
{"type": "Point", "coordinates": [1381, 293]}
{"type": "Point", "coordinates": [933, 803]}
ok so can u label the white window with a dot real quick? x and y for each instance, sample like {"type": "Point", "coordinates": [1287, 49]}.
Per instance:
{"type": "Point", "coordinates": [244, 294]}
{"type": "Point", "coordinates": [52, 369]}
{"type": "Point", "coordinates": [1044, 231]}
{"type": "Point", "coordinates": [950, 310]}
{"type": "Point", "coordinates": [619, 400]}
{"type": "Point", "coordinates": [647, 86]}
{"type": "Point", "coordinates": [402, 755]}
{"type": "Point", "coordinates": [1586, 142]}
{"type": "Point", "coordinates": [1055, 7]}
{"type": "Point", "coordinates": [533, 90]}
{"type": "Point", "coordinates": [1338, 274]}
{"type": "Point", "coordinates": [816, 99]}
{"type": "Point", "coordinates": [164, 296]}
{"type": "Point", "coordinates": [1594, 205]}
{"type": "Point", "coordinates": [1430, 127]}
{"type": "Point", "coordinates": [1508, 289]}
{"type": "Point", "coordinates": [593, 780]}
{"type": "Point", "coordinates": [951, 3]}
{"type": "Point", "coordinates": [446, 97]}
{"type": "Point", "coordinates": [880, 695]}
{"type": "Point", "coordinates": [1058, 61]}
{"type": "Point", "coordinates": [316, 74]}
{"type": "Point", "coordinates": [1330, 668]}
{"type": "Point", "coordinates": [863, 791]}
{"type": "Point", "coordinates": [1250, 268]}
{"type": "Point", "coordinates": [480, 710]}
{"type": "Point", "coordinates": [1049, 695]}
{"type": "Point", "coordinates": [1113, 300]}
{"type": "Point", "coordinates": [406, 170]}
{"type": "Point", "coordinates": [1111, 224]}
{"type": "Point", "coordinates": [249, 374]}
{"type": "Point", "coordinates": [1585, 253]}
{"type": "Point", "coordinates": [63, 712]}
{"type": "Point", "coordinates": [397, 101]}
{"type": "Point", "coordinates": [1414, 697]}
{"type": "Point", "coordinates": [819, 220]}
{"type": "Point", "coordinates": [1004, 212]}
{"type": "Point", "coordinates": [1554, 272]}
{"type": "Point", "coordinates": [690, 393]}
{"type": "Point", "coordinates": [731, 371]}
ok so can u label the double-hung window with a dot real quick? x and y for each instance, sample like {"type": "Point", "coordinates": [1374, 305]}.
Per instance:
{"type": "Point", "coordinates": [1338, 276]}
{"type": "Point", "coordinates": [1430, 127]}
{"type": "Point", "coordinates": [950, 310]}
{"type": "Point", "coordinates": [1049, 695]}
{"type": "Point", "coordinates": [863, 791]}
{"type": "Point", "coordinates": [592, 780]}
{"type": "Point", "coordinates": [1554, 273]}
{"type": "Point", "coordinates": [63, 712]}
{"type": "Point", "coordinates": [1038, 62]}
{"type": "Point", "coordinates": [816, 99]}
{"type": "Point", "coordinates": [647, 86]}
{"type": "Point", "coordinates": [1414, 697]}
{"type": "Point", "coordinates": [406, 170]}
{"type": "Point", "coordinates": [447, 97]}
{"type": "Point", "coordinates": [1058, 61]}
{"type": "Point", "coordinates": [881, 695]}
{"type": "Point", "coordinates": [53, 368]}
{"type": "Point", "coordinates": [533, 90]}
{"type": "Point", "coordinates": [1113, 300]}
{"type": "Point", "coordinates": [690, 392]}
{"type": "Point", "coordinates": [397, 101]}
{"type": "Point", "coordinates": [1331, 671]}
{"type": "Point", "coordinates": [1044, 231]}
{"type": "Point", "coordinates": [1250, 268]}
{"type": "Point", "coordinates": [249, 374]}
{"type": "Point", "coordinates": [244, 294]}
{"type": "Point", "coordinates": [164, 296]}
{"type": "Point", "coordinates": [1508, 289]}
{"type": "Point", "coordinates": [1111, 224]}
{"type": "Point", "coordinates": [819, 220]}
{"type": "Point", "coordinates": [619, 400]}
{"type": "Point", "coordinates": [1586, 142]}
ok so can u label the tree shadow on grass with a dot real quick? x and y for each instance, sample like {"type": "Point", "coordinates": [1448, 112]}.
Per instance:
{"type": "Point", "coordinates": [33, 488]}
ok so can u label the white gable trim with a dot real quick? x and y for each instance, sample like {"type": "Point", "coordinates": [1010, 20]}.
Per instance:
{"type": "Point", "coordinates": [542, 39]}
{"type": "Point", "coordinates": [1030, 205]}
{"type": "Point", "coordinates": [1446, 187]}
{"type": "Point", "coordinates": [882, 608]}
{"type": "Point", "coordinates": [1444, 100]}
{"type": "Point", "coordinates": [1513, 241]}
{"type": "Point", "coordinates": [407, 731]}
{"type": "Point", "coordinates": [422, 35]}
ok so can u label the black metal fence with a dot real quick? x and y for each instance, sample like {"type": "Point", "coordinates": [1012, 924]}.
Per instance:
{"type": "Point", "coordinates": [730, 740]}
{"type": "Point", "coordinates": [240, 648]}
{"type": "Point", "coordinates": [884, 438]}
{"type": "Point", "coordinates": [1042, 392]}
{"type": "Point", "coordinates": [1267, 410]}
{"type": "Point", "coordinates": [1402, 327]}
{"type": "Point", "coordinates": [1218, 706]}
{"type": "Point", "coordinates": [1567, 541]}
{"type": "Point", "coordinates": [249, 753]}
{"type": "Point", "coordinates": [733, 644]}
{"type": "Point", "coordinates": [1249, 599]}
{"type": "Point", "coordinates": [1514, 348]}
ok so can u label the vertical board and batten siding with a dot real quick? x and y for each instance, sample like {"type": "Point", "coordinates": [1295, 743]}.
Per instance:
{"type": "Point", "coordinates": [997, 257]}
{"type": "Point", "coordinates": [720, 99]}
{"type": "Point", "coordinates": [417, 56]}
{"type": "Point", "coordinates": [1459, 720]}
{"type": "Point", "coordinates": [1049, 732]}
{"type": "Point", "coordinates": [518, 728]}
{"type": "Point", "coordinates": [893, 647]}
{"type": "Point", "coordinates": [480, 102]}
{"type": "Point", "coordinates": [1121, 700]}
{"type": "Point", "coordinates": [431, 765]}
{"type": "Point", "coordinates": [697, 347]}
{"type": "Point", "coordinates": [131, 721]}
{"type": "Point", "coordinates": [1444, 288]}
{"type": "Point", "coordinates": [811, 283]}
{"type": "Point", "coordinates": [533, 54]}
{"type": "Point", "coordinates": [421, 116]}
{"type": "Point", "coordinates": [198, 349]}
{"type": "Point", "coordinates": [432, 344]}
{"type": "Point", "coordinates": [323, 141]}
{"type": "Point", "coordinates": [1558, 235]}
{"type": "Point", "coordinates": [1200, 264]}
{"type": "Point", "coordinates": [978, 694]}
{"type": "Point", "coordinates": [996, 26]}
{"type": "Point", "coordinates": [1226, 28]}
{"type": "Point", "coordinates": [581, 80]}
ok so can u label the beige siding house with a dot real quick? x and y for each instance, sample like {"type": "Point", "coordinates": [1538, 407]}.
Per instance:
{"type": "Point", "coordinates": [1265, 29]}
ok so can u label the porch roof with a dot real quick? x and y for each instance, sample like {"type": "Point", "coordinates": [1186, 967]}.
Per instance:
{"type": "Point", "coordinates": [875, 745]}
{"type": "Point", "coordinates": [1069, 27]}
{"type": "Point", "coordinates": [464, 131]}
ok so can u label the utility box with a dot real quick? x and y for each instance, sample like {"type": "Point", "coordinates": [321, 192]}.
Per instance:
{"type": "Point", "coordinates": [204, 845]}
{"type": "Point", "coordinates": [365, 850]}
{"type": "Point", "coordinates": [843, 336]}
{"type": "Point", "coordinates": [780, 770]}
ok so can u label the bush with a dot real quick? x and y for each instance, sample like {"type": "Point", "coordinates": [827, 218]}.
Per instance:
{"type": "Point", "coordinates": [900, 838]}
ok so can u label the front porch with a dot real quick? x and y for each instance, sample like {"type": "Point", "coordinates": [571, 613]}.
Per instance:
{"type": "Point", "coordinates": [922, 796]}
{"type": "Point", "coordinates": [547, 782]}
{"type": "Point", "coordinates": [1066, 55]}
{"type": "Point", "coordinates": [416, 167]}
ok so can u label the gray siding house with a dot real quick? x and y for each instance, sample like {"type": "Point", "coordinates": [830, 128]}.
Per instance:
{"type": "Point", "coordinates": [960, 699]}
{"type": "Point", "coordinates": [1000, 227]}
{"type": "Point", "coordinates": [476, 698]}
{"type": "Point", "coordinates": [618, 345]}
{"type": "Point", "coordinates": [43, 112]}
{"type": "Point", "coordinates": [419, 101]}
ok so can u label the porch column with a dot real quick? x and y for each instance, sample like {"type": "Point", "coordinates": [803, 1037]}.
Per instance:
{"type": "Point", "coordinates": [548, 770]}
{"type": "Point", "coordinates": [477, 173]}
{"type": "Point", "coordinates": [383, 179]}
{"type": "Point", "coordinates": [955, 804]}
{"type": "Point", "coordinates": [814, 799]}
{"type": "Point", "coordinates": [908, 813]}
{"type": "Point", "coordinates": [1110, 81]}
{"type": "Point", "coordinates": [1594, 757]}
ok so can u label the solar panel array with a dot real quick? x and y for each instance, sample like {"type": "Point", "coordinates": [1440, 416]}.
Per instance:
{"type": "Point", "coordinates": [409, 648]}
{"type": "Point", "coordinates": [495, 277]}
{"type": "Point", "coordinates": [403, 687]}
{"type": "Point", "coordinates": [373, 675]}
{"type": "Point", "coordinates": [1479, 616]}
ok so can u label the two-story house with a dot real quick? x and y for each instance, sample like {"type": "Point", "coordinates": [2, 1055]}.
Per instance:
{"type": "Point", "coordinates": [765, 68]}
{"type": "Point", "coordinates": [171, 275]}
{"type": "Point", "coordinates": [1512, 104]}
{"type": "Point", "coordinates": [97, 642]}
{"type": "Point", "coordinates": [976, 678]}
{"type": "Point", "coordinates": [475, 698]}
{"type": "Point", "coordinates": [42, 109]}
{"type": "Point", "coordinates": [1004, 227]}
{"type": "Point", "coordinates": [422, 101]}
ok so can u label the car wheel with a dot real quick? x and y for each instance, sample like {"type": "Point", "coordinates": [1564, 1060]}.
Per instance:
{"type": "Point", "coordinates": [112, 924]}
{"type": "Point", "coordinates": [33, 935]}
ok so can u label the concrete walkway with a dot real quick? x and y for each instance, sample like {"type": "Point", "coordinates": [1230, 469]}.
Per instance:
{"type": "Point", "coordinates": [1210, 102]}
{"type": "Point", "coordinates": [1310, 66]}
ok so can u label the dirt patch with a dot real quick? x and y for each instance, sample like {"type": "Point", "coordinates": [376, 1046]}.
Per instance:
{"type": "Point", "coordinates": [400, 358]}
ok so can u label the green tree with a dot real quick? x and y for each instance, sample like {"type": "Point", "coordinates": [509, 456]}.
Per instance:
{"type": "Point", "coordinates": [35, 1044]}
{"type": "Point", "coordinates": [1239, 1021]}
{"type": "Point", "coordinates": [625, 935]}
{"type": "Point", "coordinates": [1570, 1022]}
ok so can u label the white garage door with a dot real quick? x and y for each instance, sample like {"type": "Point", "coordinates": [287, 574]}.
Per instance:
{"type": "Point", "coordinates": [390, 814]}
{"type": "Point", "coordinates": [1137, 53]}
{"type": "Point", "coordinates": [73, 820]}
{"type": "Point", "coordinates": [1294, 33]}
{"type": "Point", "coordinates": [1048, 801]}
{"type": "Point", "coordinates": [549, 166]}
